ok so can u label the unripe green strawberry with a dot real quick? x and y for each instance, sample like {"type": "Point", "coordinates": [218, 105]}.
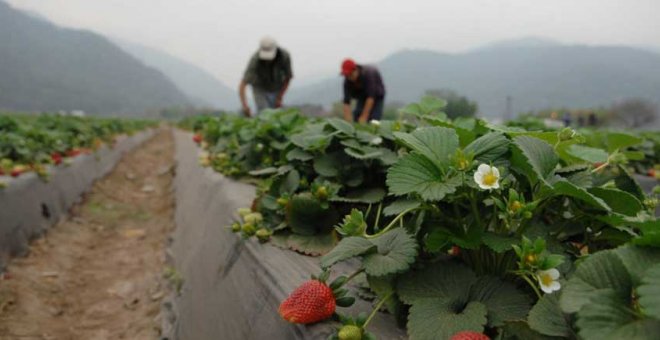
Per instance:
{"type": "Point", "coordinates": [313, 301]}
{"type": "Point", "coordinates": [282, 202]}
{"type": "Point", "coordinates": [236, 227]}
{"type": "Point", "coordinates": [249, 229]}
{"type": "Point", "coordinates": [321, 193]}
{"type": "Point", "coordinates": [263, 234]}
{"type": "Point", "coordinates": [469, 335]}
{"type": "Point", "coordinates": [350, 332]}
{"type": "Point", "coordinates": [253, 218]}
{"type": "Point", "coordinates": [244, 211]}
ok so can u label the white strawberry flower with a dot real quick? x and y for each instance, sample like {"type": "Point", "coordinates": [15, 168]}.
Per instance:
{"type": "Point", "coordinates": [548, 280]}
{"type": "Point", "coordinates": [376, 141]}
{"type": "Point", "coordinates": [487, 177]}
{"type": "Point", "coordinates": [375, 122]}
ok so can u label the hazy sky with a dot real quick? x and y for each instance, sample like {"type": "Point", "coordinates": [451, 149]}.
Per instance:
{"type": "Point", "coordinates": [220, 35]}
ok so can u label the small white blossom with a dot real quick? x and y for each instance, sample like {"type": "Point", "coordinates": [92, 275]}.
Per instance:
{"type": "Point", "coordinates": [548, 280]}
{"type": "Point", "coordinates": [376, 141]}
{"type": "Point", "coordinates": [375, 122]}
{"type": "Point", "coordinates": [487, 177]}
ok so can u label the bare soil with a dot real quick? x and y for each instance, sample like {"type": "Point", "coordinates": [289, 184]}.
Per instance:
{"type": "Point", "coordinates": [98, 275]}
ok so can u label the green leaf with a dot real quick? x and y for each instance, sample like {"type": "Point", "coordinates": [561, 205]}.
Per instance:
{"type": "Point", "coordinates": [400, 206]}
{"type": "Point", "coordinates": [489, 147]}
{"type": "Point", "coordinates": [547, 318]}
{"type": "Point", "coordinates": [341, 125]}
{"type": "Point", "coordinates": [432, 103]}
{"type": "Point", "coordinates": [265, 171]}
{"type": "Point", "coordinates": [503, 301]}
{"type": "Point", "coordinates": [396, 251]}
{"type": "Point", "coordinates": [305, 215]}
{"type": "Point", "coordinates": [601, 271]}
{"type": "Point", "coordinates": [311, 140]}
{"type": "Point", "coordinates": [649, 292]}
{"type": "Point", "coordinates": [432, 319]}
{"type": "Point", "coordinates": [290, 183]}
{"type": "Point", "coordinates": [539, 157]}
{"type": "Point", "coordinates": [589, 154]}
{"type": "Point", "coordinates": [299, 155]}
{"type": "Point", "coordinates": [608, 317]}
{"type": "Point", "coordinates": [619, 201]}
{"type": "Point", "coordinates": [365, 195]}
{"type": "Point", "coordinates": [627, 183]}
{"type": "Point", "coordinates": [519, 330]}
{"type": "Point", "coordinates": [618, 140]}
{"type": "Point", "coordinates": [499, 243]}
{"type": "Point", "coordinates": [314, 245]}
{"type": "Point", "coordinates": [328, 165]}
{"type": "Point", "coordinates": [383, 286]}
{"type": "Point", "coordinates": [565, 188]}
{"type": "Point", "coordinates": [443, 280]}
{"type": "Point", "coordinates": [347, 248]}
{"type": "Point", "coordinates": [638, 260]}
{"type": "Point", "coordinates": [416, 174]}
{"type": "Point", "coordinates": [364, 152]}
{"type": "Point", "coordinates": [437, 144]}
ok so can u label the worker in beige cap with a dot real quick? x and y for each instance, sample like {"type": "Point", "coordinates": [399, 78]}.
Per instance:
{"type": "Point", "coordinates": [269, 73]}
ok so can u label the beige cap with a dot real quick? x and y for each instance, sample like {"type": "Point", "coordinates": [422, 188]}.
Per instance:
{"type": "Point", "coordinates": [267, 48]}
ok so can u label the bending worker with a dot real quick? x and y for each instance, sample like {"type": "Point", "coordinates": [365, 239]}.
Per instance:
{"type": "Point", "coordinates": [365, 84]}
{"type": "Point", "coordinates": [268, 72]}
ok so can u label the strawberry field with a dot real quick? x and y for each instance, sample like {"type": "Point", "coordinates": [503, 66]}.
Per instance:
{"type": "Point", "coordinates": [460, 229]}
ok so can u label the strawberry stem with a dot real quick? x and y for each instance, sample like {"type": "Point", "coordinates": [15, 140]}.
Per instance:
{"type": "Point", "coordinates": [391, 225]}
{"type": "Point", "coordinates": [378, 306]}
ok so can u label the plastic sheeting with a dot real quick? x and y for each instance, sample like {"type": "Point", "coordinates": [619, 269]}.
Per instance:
{"type": "Point", "coordinates": [29, 206]}
{"type": "Point", "coordinates": [232, 287]}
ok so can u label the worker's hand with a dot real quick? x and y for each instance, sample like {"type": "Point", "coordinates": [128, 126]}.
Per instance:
{"type": "Point", "coordinates": [246, 111]}
{"type": "Point", "coordinates": [278, 102]}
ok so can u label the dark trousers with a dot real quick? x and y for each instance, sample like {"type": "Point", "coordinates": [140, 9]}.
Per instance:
{"type": "Point", "coordinates": [376, 112]}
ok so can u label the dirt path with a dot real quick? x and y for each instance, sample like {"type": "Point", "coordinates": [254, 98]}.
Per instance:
{"type": "Point", "coordinates": [98, 274]}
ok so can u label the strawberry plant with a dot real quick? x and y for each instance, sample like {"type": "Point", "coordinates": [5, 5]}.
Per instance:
{"type": "Point", "coordinates": [462, 228]}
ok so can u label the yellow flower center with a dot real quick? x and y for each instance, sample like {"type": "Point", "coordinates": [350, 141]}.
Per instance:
{"type": "Point", "coordinates": [490, 179]}
{"type": "Point", "coordinates": [546, 279]}
{"type": "Point", "coordinates": [462, 164]}
{"type": "Point", "coordinates": [531, 258]}
{"type": "Point", "coordinates": [515, 206]}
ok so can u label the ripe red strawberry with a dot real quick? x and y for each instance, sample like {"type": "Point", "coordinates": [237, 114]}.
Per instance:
{"type": "Point", "coordinates": [469, 335]}
{"type": "Point", "coordinates": [73, 152]}
{"type": "Point", "coordinates": [651, 173]}
{"type": "Point", "coordinates": [56, 157]}
{"type": "Point", "coordinates": [17, 170]}
{"type": "Point", "coordinates": [313, 301]}
{"type": "Point", "coordinates": [197, 138]}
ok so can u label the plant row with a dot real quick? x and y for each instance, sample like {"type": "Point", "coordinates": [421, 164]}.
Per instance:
{"type": "Point", "coordinates": [31, 142]}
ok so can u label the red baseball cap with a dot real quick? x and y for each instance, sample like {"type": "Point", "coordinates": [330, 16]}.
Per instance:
{"type": "Point", "coordinates": [348, 66]}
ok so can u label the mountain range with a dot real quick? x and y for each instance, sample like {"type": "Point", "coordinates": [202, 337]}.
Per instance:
{"type": "Point", "coordinates": [535, 73]}
{"type": "Point", "coordinates": [44, 67]}
{"type": "Point", "coordinates": [201, 87]}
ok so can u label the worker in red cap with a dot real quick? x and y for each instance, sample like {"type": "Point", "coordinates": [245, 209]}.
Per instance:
{"type": "Point", "coordinates": [269, 73]}
{"type": "Point", "coordinates": [364, 84]}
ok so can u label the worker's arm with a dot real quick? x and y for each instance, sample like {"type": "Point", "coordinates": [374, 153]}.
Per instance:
{"type": "Point", "coordinates": [241, 92]}
{"type": "Point", "coordinates": [280, 96]}
{"type": "Point", "coordinates": [368, 105]}
{"type": "Point", "coordinates": [347, 113]}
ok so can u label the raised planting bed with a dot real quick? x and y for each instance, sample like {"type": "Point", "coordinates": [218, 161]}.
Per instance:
{"type": "Point", "coordinates": [231, 288]}
{"type": "Point", "coordinates": [29, 205]}
{"type": "Point", "coordinates": [463, 228]}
